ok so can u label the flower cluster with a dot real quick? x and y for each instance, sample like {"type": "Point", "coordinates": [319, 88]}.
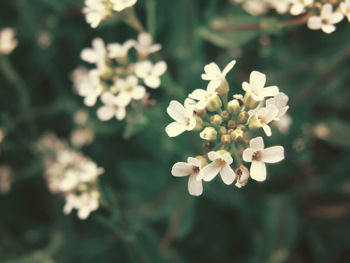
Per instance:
{"type": "Point", "coordinates": [98, 10]}
{"type": "Point", "coordinates": [117, 79]}
{"type": "Point", "coordinates": [7, 41]}
{"type": "Point", "coordinates": [321, 15]}
{"type": "Point", "coordinates": [72, 175]}
{"type": "Point", "coordinates": [227, 128]}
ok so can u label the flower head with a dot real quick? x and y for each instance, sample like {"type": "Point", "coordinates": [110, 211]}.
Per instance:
{"type": "Point", "coordinates": [258, 156]}
{"type": "Point", "coordinates": [95, 55]}
{"type": "Point", "coordinates": [183, 116]}
{"type": "Point", "coordinates": [113, 107]}
{"type": "Point", "coordinates": [326, 20]}
{"type": "Point", "coordinates": [145, 46]}
{"type": "Point", "coordinates": [150, 73]}
{"type": "Point", "coordinates": [214, 74]}
{"type": "Point", "coordinates": [130, 89]}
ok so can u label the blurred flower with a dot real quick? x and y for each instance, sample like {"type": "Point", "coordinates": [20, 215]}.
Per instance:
{"type": "Point", "coordinates": [214, 74]}
{"type": "Point", "coordinates": [120, 5]}
{"type": "Point", "coordinates": [280, 102]}
{"type": "Point", "coordinates": [130, 89]}
{"type": "Point", "coordinates": [95, 11]}
{"type": "Point", "coordinates": [85, 203]}
{"type": "Point", "coordinates": [95, 55]}
{"type": "Point", "coordinates": [183, 116]}
{"type": "Point", "coordinates": [263, 117]}
{"type": "Point", "coordinates": [298, 6]}
{"type": "Point", "coordinates": [345, 8]}
{"type": "Point", "coordinates": [81, 137]}
{"type": "Point", "coordinates": [116, 50]}
{"type": "Point", "coordinates": [81, 117]}
{"type": "Point", "coordinates": [258, 156]}
{"type": "Point", "coordinates": [144, 45]}
{"type": "Point", "coordinates": [284, 123]}
{"type": "Point", "coordinates": [7, 41]}
{"type": "Point", "coordinates": [192, 169]}
{"type": "Point", "coordinates": [326, 20]}
{"type": "Point", "coordinates": [321, 131]}
{"type": "Point", "coordinates": [5, 179]}
{"type": "Point", "coordinates": [151, 73]}
{"type": "Point", "coordinates": [113, 106]}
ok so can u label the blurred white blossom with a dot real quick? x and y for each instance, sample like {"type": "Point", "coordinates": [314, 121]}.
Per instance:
{"type": "Point", "coordinates": [8, 41]}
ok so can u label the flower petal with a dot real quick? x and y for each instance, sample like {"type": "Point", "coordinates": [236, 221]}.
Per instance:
{"type": "Point", "coordinates": [258, 171]}
{"type": "Point", "coordinates": [195, 186]}
{"type": "Point", "coordinates": [105, 113]}
{"type": "Point", "coordinates": [257, 143]}
{"type": "Point", "coordinates": [212, 70]}
{"type": "Point", "coordinates": [175, 129]}
{"type": "Point", "coordinates": [248, 155]}
{"type": "Point", "coordinates": [257, 79]}
{"type": "Point", "coordinates": [314, 23]}
{"type": "Point", "coordinates": [273, 154]}
{"type": "Point", "coordinates": [209, 171]}
{"type": "Point", "coordinates": [176, 111]}
{"type": "Point", "coordinates": [228, 67]}
{"type": "Point", "coordinates": [227, 174]}
{"type": "Point", "coordinates": [159, 68]}
{"type": "Point", "coordinates": [152, 81]}
{"type": "Point", "coordinates": [181, 169]}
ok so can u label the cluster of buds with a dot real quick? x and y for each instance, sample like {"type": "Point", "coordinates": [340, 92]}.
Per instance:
{"type": "Point", "coordinates": [97, 11]}
{"type": "Point", "coordinates": [70, 174]}
{"type": "Point", "coordinates": [117, 78]}
{"type": "Point", "coordinates": [8, 41]}
{"type": "Point", "coordinates": [227, 127]}
{"type": "Point", "coordinates": [321, 14]}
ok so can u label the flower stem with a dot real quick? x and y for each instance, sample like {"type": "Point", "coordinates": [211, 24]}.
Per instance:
{"type": "Point", "coordinates": [235, 154]}
{"type": "Point", "coordinates": [151, 17]}
{"type": "Point", "coordinates": [132, 20]}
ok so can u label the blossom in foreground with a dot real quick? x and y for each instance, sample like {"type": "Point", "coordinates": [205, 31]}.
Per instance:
{"type": "Point", "coordinates": [215, 76]}
{"type": "Point", "coordinates": [258, 156]}
{"type": "Point", "coordinates": [221, 161]}
{"type": "Point", "coordinates": [183, 119]}
{"type": "Point", "coordinates": [192, 169]}
{"type": "Point", "coordinates": [226, 126]}
{"type": "Point", "coordinates": [7, 41]}
{"type": "Point", "coordinates": [256, 87]}
{"type": "Point", "coordinates": [326, 20]}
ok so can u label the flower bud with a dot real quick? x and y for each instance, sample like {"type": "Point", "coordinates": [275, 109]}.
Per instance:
{"type": "Point", "coordinates": [201, 113]}
{"type": "Point", "coordinates": [231, 123]}
{"type": "Point", "coordinates": [241, 127]}
{"type": "Point", "coordinates": [209, 134]}
{"type": "Point", "coordinates": [254, 122]}
{"type": "Point", "coordinates": [250, 102]}
{"type": "Point", "coordinates": [237, 135]}
{"type": "Point", "coordinates": [214, 104]}
{"type": "Point", "coordinates": [242, 176]}
{"type": "Point", "coordinates": [199, 123]}
{"type": "Point", "coordinates": [207, 146]}
{"type": "Point", "coordinates": [222, 130]}
{"type": "Point", "coordinates": [225, 115]}
{"type": "Point", "coordinates": [233, 107]}
{"type": "Point", "coordinates": [223, 88]}
{"type": "Point", "coordinates": [226, 139]}
{"type": "Point", "coordinates": [202, 159]}
{"type": "Point", "coordinates": [243, 116]}
{"type": "Point", "coordinates": [216, 120]}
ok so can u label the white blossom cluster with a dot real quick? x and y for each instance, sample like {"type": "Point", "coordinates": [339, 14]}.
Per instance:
{"type": "Point", "coordinates": [323, 15]}
{"type": "Point", "coordinates": [227, 128]}
{"type": "Point", "coordinates": [98, 10]}
{"type": "Point", "coordinates": [72, 175]}
{"type": "Point", "coordinates": [8, 41]}
{"type": "Point", "coordinates": [117, 79]}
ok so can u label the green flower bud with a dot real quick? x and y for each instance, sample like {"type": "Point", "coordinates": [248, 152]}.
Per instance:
{"type": "Point", "coordinates": [222, 130]}
{"type": "Point", "coordinates": [225, 115]}
{"type": "Point", "coordinates": [226, 139]}
{"type": "Point", "coordinates": [209, 134]}
{"type": "Point", "coordinates": [233, 107]}
{"type": "Point", "coordinates": [216, 120]}
{"type": "Point", "coordinates": [243, 116]}
{"type": "Point", "coordinates": [214, 104]}
{"type": "Point", "coordinates": [241, 127]}
{"type": "Point", "coordinates": [237, 135]}
{"type": "Point", "coordinates": [250, 102]}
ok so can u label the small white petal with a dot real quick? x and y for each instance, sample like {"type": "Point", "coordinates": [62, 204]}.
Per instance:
{"type": "Point", "coordinates": [314, 22]}
{"type": "Point", "coordinates": [228, 67]}
{"type": "Point", "coordinates": [209, 172]}
{"type": "Point", "coordinates": [195, 186]}
{"type": "Point", "coordinates": [105, 113]}
{"type": "Point", "coordinates": [257, 79]}
{"type": "Point", "coordinates": [258, 171]}
{"type": "Point", "coordinates": [159, 68]}
{"type": "Point", "coordinates": [257, 143]}
{"type": "Point", "coordinates": [227, 174]}
{"type": "Point", "coordinates": [248, 154]}
{"type": "Point", "coordinates": [272, 154]}
{"type": "Point", "coordinates": [175, 129]}
{"type": "Point", "coordinates": [176, 111]}
{"type": "Point", "coordinates": [181, 169]}
{"type": "Point", "coordinates": [152, 81]}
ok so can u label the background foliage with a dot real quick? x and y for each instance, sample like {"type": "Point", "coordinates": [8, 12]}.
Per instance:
{"type": "Point", "coordinates": [300, 214]}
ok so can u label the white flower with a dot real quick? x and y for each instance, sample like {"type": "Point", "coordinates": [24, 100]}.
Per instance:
{"type": "Point", "coordinates": [258, 156]}
{"type": "Point", "coordinates": [280, 101]}
{"type": "Point", "coordinates": [117, 50]}
{"type": "Point", "coordinates": [255, 7]}
{"type": "Point", "coordinates": [281, 6]}
{"type": "Point", "coordinates": [113, 106]}
{"type": "Point", "coordinates": [220, 164]}
{"type": "Point", "coordinates": [150, 73]}
{"type": "Point", "coordinates": [85, 203]}
{"type": "Point", "coordinates": [95, 12]}
{"type": "Point", "coordinates": [87, 84]}
{"type": "Point", "coordinates": [193, 169]}
{"type": "Point", "coordinates": [214, 74]}
{"type": "Point", "coordinates": [183, 116]}
{"type": "Point", "coordinates": [298, 6]}
{"type": "Point", "coordinates": [326, 20]}
{"type": "Point", "coordinates": [256, 88]}
{"type": "Point", "coordinates": [129, 89]}
{"type": "Point", "coordinates": [120, 5]}
{"type": "Point", "coordinates": [203, 96]}
{"type": "Point", "coordinates": [345, 8]}
{"type": "Point", "coordinates": [7, 41]}
{"type": "Point", "coordinates": [95, 55]}
{"type": "Point", "coordinates": [284, 123]}
{"type": "Point", "coordinates": [81, 137]}
{"type": "Point", "coordinates": [145, 46]}
{"type": "Point", "coordinates": [263, 117]}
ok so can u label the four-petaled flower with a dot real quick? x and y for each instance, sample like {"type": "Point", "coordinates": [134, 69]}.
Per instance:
{"type": "Point", "coordinates": [150, 73]}
{"type": "Point", "coordinates": [113, 106]}
{"type": "Point", "coordinates": [183, 116]}
{"type": "Point", "coordinates": [214, 74]}
{"type": "Point", "coordinates": [258, 156]}
{"type": "Point", "coordinates": [95, 55]}
{"type": "Point", "coordinates": [220, 164]}
{"type": "Point", "coordinates": [145, 46]}
{"type": "Point", "coordinates": [129, 89]}
{"type": "Point", "coordinates": [326, 20]}
{"type": "Point", "coordinates": [193, 169]}
{"type": "Point", "coordinates": [256, 87]}
{"type": "Point", "coordinates": [280, 101]}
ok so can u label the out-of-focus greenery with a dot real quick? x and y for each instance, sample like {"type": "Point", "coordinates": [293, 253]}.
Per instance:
{"type": "Point", "coordinates": [300, 214]}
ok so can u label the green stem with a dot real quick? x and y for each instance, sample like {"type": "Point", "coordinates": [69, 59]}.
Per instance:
{"type": "Point", "coordinates": [132, 20]}
{"type": "Point", "coordinates": [151, 17]}
{"type": "Point", "coordinates": [235, 154]}
{"type": "Point", "coordinates": [224, 100]}
{"type": "Point", "coordinates": [21, 88]}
